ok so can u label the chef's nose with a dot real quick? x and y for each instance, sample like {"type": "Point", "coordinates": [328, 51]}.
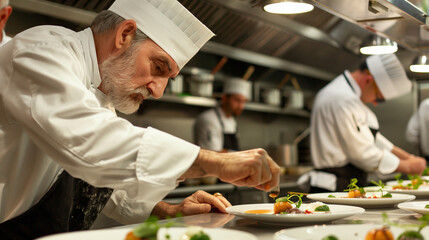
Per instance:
{"type": "Point", "coordinates": [158, 86]}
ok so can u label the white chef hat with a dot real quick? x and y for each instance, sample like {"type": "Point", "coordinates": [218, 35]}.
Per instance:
{"type": "Point", "coordinates": [168, 24]}
{"type": "Point", "coordinates": [389, 75]}
{"type": "Point", "coordinates": [237, 86]}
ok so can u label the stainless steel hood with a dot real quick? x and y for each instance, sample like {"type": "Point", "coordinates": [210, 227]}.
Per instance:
{"type": "Point", "coordinates": [398, 20]}
{"type": "Point", "coordinates": [318, 45]}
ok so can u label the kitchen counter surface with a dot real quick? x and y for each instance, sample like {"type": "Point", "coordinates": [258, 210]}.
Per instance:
{"type": "Point", "coordinates": [266, 231]}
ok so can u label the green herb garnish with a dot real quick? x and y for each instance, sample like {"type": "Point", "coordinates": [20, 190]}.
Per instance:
{"type": "Point", "coordinates": [353, 186]}
{"type": "Point", "coordinates": [200, 236]}
{"type": "Point", "coordinates": [398, 178]}
{"type": "Point", "coordinates": [323, 208]}
{"type": "Point", "coordinates": [425, 172]}
{"type": "Point", "coordinates": [288, 199]}
{"type": "Point", "coordinates": [387, 195]}
{"type": "Point", "coordinates": [331, 196]}
{"type": "Point", "coordinates": [330, 237]}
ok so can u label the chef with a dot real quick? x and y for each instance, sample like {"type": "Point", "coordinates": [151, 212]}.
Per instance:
{"type": "Point", "coordinates": [5, 11]}
{"type": "Point", "coordinates": [216, 129]}
{"type": "Point", "coordinates": [345, 141]}
{"type": "Point", "coordinates": [417, 131]}
{"type": "Point", "coordinates": [63, 149]}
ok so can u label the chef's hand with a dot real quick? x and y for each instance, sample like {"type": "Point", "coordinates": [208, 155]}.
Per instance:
{"type": "Point", "coordinates": [412, 165]}
{"type": "Point", "coordinates": [253, 168]}
{"type": "Point", "coordinates": [198, 203]}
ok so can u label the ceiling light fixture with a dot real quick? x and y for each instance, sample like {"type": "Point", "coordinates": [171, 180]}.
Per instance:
{"type": "Point", "coordinates": [420, 64]}
{"type": "Point", "coordinates": [378, 45]}
{"type": "Point", "coordinates": [287, 6]}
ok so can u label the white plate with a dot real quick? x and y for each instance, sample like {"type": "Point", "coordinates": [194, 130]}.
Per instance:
{"type": "Point", "coordinates": [337, 212]}
{"type": "Point", "coordinates": [342, 232]}
{"type": "Point", "coordinates": [341, 198]}
{"type": "Point", "coordinates": [174, 232]}
{"type": "Point", "coordinates": [417, 206]}
{"type": "Point", "coordinates": [422, 191]}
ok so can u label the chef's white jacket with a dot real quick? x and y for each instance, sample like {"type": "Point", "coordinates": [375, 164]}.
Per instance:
{"type": "Point", "coordinates": [5, 39]}
{"type": "Point", "coordinates": [418, 127]}
{"type": "Point", "coordinates": [208, 129]}
{"type": "Point", "coordinates": [340, 131]}
{"type": "Point", "coordinates": [53, 117]}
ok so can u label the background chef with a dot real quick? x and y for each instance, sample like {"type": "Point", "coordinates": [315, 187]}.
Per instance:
{"type": "Point", "coordinates": [216, 128]}
{"type": "Point", "coordinates": [417, 131]}
{"type": "Point", "coordinates": [64, 149]}
{"type": "Point", "coordinates": [345, 142]}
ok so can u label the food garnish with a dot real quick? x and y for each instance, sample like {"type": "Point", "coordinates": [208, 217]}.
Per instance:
{"type": "Point", "coordinates": [323, 208]}
{"type": "Point", "coordinates": [354, 190]}
{"type": "Point", "coordinates": [416, 182]}
{"type": "Point", "coordinates": [383, 233]}
{"type": "Point", "coordinates": [149, 230]}
{"type": "Point", "coordinates": [330, 237]}
{"type": "Point", "coordinates": [283, 204]}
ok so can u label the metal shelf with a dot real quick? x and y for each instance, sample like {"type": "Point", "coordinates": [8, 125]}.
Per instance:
{"type": "Point", "coordinates": [211, 102]}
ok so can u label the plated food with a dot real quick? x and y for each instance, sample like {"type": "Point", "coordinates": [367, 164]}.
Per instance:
{"type": "Point", "coordinates": [421, 207]}
{"type": "Point", "coordinates": [342, 198]}
{"type": "Point", "coordinates": [173, 233]}
{"type": "Point", "coordinates": [265, 212]}
{"type": "Point", "coordinates": [344, 232]}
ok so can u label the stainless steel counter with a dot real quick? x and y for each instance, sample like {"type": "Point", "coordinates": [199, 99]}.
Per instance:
{"type": "Point", "coordinates": [265, 231]}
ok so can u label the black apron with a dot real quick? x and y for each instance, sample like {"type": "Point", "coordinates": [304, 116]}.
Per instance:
{"type": "Point", "coordinates": [230, 140]}
{"type": "Point", "coordinates": [70, 205]}
{"type": "Point", "coordinates": [344, 174]}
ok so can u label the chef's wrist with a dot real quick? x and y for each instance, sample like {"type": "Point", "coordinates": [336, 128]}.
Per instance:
{"type": "Point", "coordinates": [207, 163]}
{"type": "Point", "coordinates": [163, 210]}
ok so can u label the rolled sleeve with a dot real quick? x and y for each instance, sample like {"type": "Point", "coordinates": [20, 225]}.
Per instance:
{"type": "Point", "coordinates": [383, 143]}
{"type": "Point", "coordinates": [389, 162]}
{"type": "Point", "coordinates": [161, 160]}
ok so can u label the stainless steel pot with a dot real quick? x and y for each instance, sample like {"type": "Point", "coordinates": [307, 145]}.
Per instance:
{"type": "Point", "coordinates": [201, 83]}
{"type": "Point", "coordinates": [287, 153]}
{"type": "Point", "coordinates": [272, 96]}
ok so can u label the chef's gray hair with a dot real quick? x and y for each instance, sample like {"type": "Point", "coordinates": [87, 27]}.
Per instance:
{"type": "Point", "coordinates": [108, 20]}
{"type": "Point", "coordinates": [3, 3]}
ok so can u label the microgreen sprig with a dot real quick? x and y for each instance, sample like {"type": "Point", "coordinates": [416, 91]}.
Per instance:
{"type": "Point", "coordinates": [288, 199]}
{"type": "Point", "coordinates": [353, 186]}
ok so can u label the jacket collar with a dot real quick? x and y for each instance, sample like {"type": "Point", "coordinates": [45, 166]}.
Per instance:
{"type": "Point", "coordinates": [355, 87]}
{"type": "Point", "coordinates": [87, 39]}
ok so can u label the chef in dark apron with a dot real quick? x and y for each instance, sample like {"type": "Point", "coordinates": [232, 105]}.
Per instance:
{"type": "Point", "coordinates": [345, 142]}
{"type": "Point", "coordinates": [216, 128]}
{"type": "Point", "coordinates": [38, 197]}
{"type": "Point", "coordinates": [70, 205]}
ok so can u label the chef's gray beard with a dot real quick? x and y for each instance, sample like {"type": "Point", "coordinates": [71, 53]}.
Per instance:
{"type": "Point", "coordinates": [116, 74]}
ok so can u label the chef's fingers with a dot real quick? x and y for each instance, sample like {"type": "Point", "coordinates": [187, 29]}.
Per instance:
{"type": "Point", "coordinates": [274, 175]}
{"type": "Point", "coordinates": [218, 202]}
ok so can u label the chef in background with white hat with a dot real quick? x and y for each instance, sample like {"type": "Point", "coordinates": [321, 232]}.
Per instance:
{"type": "Point", "coordinates": [345, 141]}
{"type": "Point", "coordinates": [64, 150]}
{"type": "Point", "coordinates": [216, 129]}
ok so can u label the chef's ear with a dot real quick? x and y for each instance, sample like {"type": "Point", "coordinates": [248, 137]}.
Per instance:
{"type": "Point", "coordinates": [4, 15]}
{"type": "Point", "coordinates": [125, 33]}
{"type": "Point", "coordinates": [368, 76]}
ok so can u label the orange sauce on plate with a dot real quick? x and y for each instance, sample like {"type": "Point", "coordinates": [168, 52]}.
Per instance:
{"type": "Point", "coordinates": [259, 211]}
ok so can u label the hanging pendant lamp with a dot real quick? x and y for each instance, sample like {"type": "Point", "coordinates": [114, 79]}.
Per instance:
{"type": "Point", "coordinates": [287, 6]}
